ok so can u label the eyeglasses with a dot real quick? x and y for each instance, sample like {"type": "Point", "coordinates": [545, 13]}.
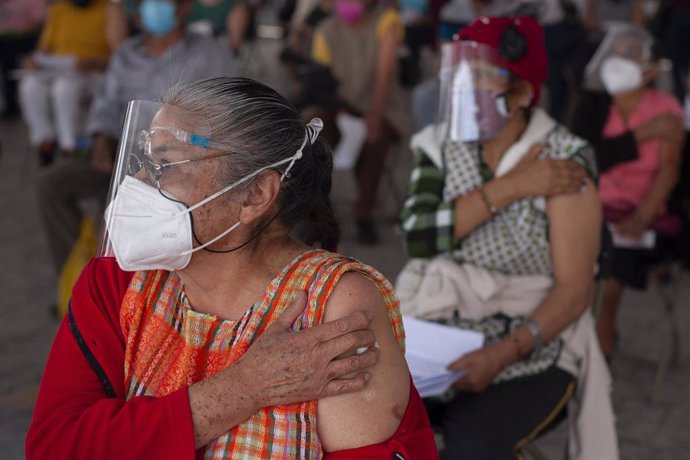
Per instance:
{"type": "Point", "coordinates": [142, 159]}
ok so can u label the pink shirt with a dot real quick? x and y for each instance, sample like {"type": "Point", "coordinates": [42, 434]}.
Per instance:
{"type": "Point", "coordinates": [625, 186]}
{"type": "Point", "coordinates": [21, 15]}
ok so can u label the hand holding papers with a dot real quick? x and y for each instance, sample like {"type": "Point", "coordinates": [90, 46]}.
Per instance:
{"type": "Point", "coordinates": [647, 241]}
{"type": "Point", "coordinates": [431, 347]}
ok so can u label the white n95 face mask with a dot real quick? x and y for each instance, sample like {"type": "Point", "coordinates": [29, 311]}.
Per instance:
{"type": "Point", "coordinates": [148, 231]}
{"type": "Point", "coordinates": [620, 75]}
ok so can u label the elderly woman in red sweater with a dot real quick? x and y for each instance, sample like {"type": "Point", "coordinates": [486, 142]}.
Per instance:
{"type": "Point", "coordinates": [184, 344]}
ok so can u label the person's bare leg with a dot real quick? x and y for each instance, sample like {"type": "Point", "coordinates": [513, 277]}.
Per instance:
{"type": "Point", "coordinates": [606, 323]}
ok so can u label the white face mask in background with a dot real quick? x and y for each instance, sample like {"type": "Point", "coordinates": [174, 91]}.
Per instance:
{"type": "Point", "coordinates": [150, 231]}
{"type": "Point", "coordinates": [620, 75]}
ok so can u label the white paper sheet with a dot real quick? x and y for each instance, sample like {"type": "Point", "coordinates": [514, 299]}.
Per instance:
{"type": "Point", "coordinates": [55, 63]}
{"type": "Point", "coordinates": [431, 347]}
{"type": "Point", "coordinates": [647, 241]}
{"type": "Point", "coordinates": [353, 133]}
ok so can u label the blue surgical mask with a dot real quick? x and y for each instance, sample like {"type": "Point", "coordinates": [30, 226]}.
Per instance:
{"type": "Point", "coordinates": [158, 16]}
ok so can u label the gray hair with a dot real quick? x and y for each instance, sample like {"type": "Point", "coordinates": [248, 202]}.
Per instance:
{"type": "Point", "coordinates": [260, 127]}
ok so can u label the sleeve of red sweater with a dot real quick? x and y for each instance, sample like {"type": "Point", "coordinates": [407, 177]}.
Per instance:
{"type": "Point", "coordinates": [73, 417]}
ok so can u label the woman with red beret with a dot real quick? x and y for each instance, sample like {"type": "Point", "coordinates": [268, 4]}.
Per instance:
{"type": "Point", "coordinates": [503, 208]}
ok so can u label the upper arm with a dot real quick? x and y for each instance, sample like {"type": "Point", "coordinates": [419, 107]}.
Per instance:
{"type": "Point", "coordinates": [574, 231]}
{"type": "Point", "coordinates": [390, 24]}
{"type": "Point", "coordinates": [389, 32]}
{"type": "Point", "coordinates": [370, 416]}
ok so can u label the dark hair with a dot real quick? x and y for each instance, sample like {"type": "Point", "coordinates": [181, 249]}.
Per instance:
{"type": "Point", "coordinates": [260, 127]}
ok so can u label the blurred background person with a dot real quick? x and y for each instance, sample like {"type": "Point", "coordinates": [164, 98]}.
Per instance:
{"type": "Point", "coordinates": [20, 25]}
{"type": "Point", "coordinates": [227, 18]}
{"type": "Point", "coordinates": [503, 202]}
{"type": "Point", "coordinates": [359, 44]}
{"type": "Point", "coordinates": [62, 72]}
{"type": "Point", "coordinates": [144, 67]}
{"type": "Point", "coordinates": [633, 193]}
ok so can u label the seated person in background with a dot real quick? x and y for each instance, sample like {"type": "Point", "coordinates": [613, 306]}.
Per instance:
{"type": "Point", "coordinates": [72, 48]}
{"type": "Point", "coordinates": [633, 192]}
{"type": "Point", "coordinates": [503, 204]}
{"type": "Point", "coordinates": [224, 17]}
{"type": "Point", "coordinates": [142, 68]}
{"type": "Point", "coordinates": [191, 338]}
{"type": "Point", "coordinates": [359, 43]}
{"type": "Point", "coordinates": [20, 25]}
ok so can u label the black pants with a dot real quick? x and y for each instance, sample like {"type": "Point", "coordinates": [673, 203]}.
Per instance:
{"type": "Point", "coordinates": [494, 424]}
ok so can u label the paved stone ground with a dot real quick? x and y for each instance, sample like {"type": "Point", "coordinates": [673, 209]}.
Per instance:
{"type": "Point", "coordinates": [647, 430]}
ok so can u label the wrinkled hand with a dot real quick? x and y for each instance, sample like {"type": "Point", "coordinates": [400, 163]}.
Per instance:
{"type": "Point", "coordinates": [545, 177]}
{"type": "Point", "coordinates": [286, 367]}
{"type": "Point", "coordinates": [632, 226]}
{"type": "Point", "coordinates": [480, 366]}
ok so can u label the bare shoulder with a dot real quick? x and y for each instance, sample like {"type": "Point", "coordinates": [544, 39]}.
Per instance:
{"type": "Point", "coordinates": [583, 206]}
{"type": "Point", "coordinates": [372, 415]}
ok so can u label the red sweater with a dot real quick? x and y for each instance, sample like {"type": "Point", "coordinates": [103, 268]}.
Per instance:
{"type": "Point", "coordinates": [81, 410]}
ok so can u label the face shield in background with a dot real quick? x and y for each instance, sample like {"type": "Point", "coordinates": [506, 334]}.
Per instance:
{"type": "Point", "coordinates": [146, 224]}
{"type": "Point", "coordinates": [619, 63]}
{"type": "Point", "coordinates": [473, 102]}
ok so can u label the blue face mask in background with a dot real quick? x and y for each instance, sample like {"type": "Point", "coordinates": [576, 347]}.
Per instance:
{"type": "Point", "coordinates": [158, 16]}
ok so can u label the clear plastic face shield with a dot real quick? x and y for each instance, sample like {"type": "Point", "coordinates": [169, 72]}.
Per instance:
{"type": "Point", "coordinates": [619, 64]}
{"type": "Point", "coordinates": [160, 166]}
{"type": "Point", "coordinates": [473, 103]}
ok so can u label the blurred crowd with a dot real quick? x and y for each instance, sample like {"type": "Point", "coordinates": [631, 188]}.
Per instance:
{"type": "Point", "coordinates": [618, 80]}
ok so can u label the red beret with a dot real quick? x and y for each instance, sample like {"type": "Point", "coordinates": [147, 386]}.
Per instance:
{"type": "Point", "coordinates": [519, 42]}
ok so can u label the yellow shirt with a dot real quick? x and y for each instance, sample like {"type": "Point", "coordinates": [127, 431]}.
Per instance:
{"type": "Point", "coordinates": [321, 51]}
{"type": "Point", "coordinates": [75, 31]}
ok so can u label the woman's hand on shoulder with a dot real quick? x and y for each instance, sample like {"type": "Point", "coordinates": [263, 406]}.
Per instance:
{"type": "Point", "coordinates": [284, 367]}
{"type": "Point", "coordinates": [544, 177]}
